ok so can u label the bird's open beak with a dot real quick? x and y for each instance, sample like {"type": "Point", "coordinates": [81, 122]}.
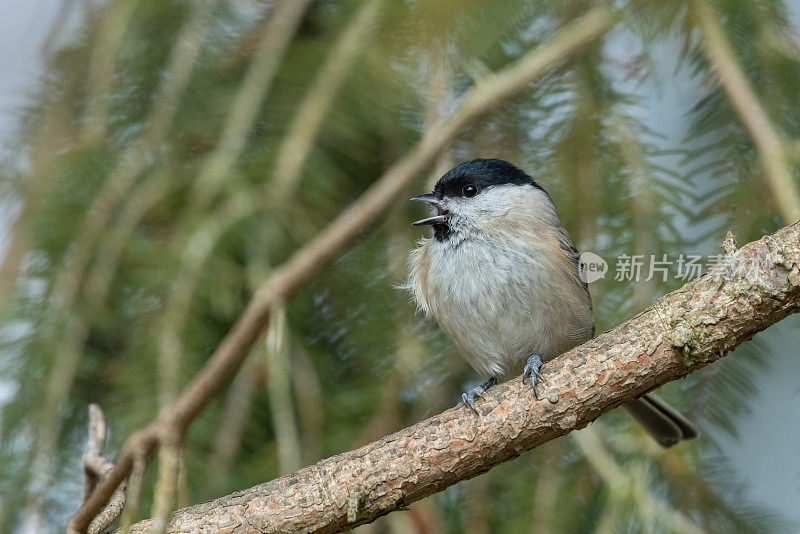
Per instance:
{"type": "Point", "coordinates": [431, 199]}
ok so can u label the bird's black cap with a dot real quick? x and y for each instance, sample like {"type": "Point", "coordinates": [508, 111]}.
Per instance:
{"type": "Point", "coordinates": [481, 173]}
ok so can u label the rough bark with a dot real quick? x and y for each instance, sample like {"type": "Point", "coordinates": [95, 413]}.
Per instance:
{"type": "Point", "coordinates": [757, 286]}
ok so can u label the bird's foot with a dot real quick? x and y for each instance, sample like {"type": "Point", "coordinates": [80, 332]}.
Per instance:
{"type": "Point", "coordinates": [532, 370]}
{"type": "Point", "coordinates": [469, 396]}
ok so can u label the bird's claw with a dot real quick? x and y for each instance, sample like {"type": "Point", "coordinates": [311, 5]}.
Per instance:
{"type": "Point", "coordinates": [469, 396]}
{"type": "Point", "coordinates": [532, 370]}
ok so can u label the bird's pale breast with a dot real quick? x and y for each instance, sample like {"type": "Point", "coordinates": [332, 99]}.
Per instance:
{"type": "Point", "coordinates": [502, 301]}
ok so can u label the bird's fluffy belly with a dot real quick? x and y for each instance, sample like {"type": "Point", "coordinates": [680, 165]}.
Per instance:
{"type": "Point", "coordinates": [491, 301]}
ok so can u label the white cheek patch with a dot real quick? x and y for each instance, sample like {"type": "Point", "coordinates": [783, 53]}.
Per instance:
{"type": "Point", "coordinates": [499, 201]}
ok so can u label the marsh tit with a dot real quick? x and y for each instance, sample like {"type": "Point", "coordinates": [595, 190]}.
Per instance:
{"type": "Point", "coordinates": [500, 275]}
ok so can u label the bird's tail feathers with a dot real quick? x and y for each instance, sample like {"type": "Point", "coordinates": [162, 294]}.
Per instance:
{"type": "Point", "coordinates": [663, 422]}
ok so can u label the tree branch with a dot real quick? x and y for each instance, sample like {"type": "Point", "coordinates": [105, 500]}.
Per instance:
{"type": "Point", "coordinates": [757, 286]}
{"type": "Point", "coordinates": [777, 172]}
{"type": "Point", "coordinates": [250, 96]}
{"type": "Point", "coordinates": [95, 466]}
{"type": "Point", "coordinates": [330, 243]}
{"type": "Point", "coordinates": [623, 484]}
{"type": "Point", "coordinates": [308, 119]}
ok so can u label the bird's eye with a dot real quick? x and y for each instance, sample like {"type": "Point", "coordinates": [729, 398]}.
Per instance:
{"type": "Point", "coordinates": [469, 191]}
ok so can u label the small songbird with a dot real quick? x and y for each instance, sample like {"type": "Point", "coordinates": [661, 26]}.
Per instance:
{"type": "Point", "coordinates": [500, 275]}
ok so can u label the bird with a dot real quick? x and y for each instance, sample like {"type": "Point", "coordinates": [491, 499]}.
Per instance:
{"type": "Point", "coordinates": [500, 275]}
